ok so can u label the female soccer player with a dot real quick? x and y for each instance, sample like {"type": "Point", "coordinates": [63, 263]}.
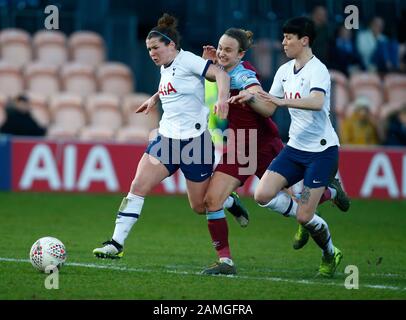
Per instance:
{"type": "Point", "coordinates": [252, 142]}
{"type": "Point", "coordinates": [303, 86]}
{"type": "Point", "coordinates": [183, 141]}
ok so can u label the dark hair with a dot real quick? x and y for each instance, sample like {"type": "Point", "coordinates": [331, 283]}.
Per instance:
{"type": "Point", "coordinates": [302, 27]}
{"type": "Point", "coordinates": [22, 97]}
{"type": "Point", "coordinates": [166, 30]}
{"type": "Point", "coordinates": [243, 37]}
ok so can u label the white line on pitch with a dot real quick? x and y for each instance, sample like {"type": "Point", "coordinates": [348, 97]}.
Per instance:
{"type": "Point", "coordinates": [274, 279]}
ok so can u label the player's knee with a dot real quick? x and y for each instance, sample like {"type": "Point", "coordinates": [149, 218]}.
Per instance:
{"type": "Point", "coordinates": [303, 216]}
{"type": "Point", "coordinates": [138, 188]}
{"type": "Point", "coordinates": [263, 197]}
{"type": "Point", "coordinates": [198, 208]}
{"type": "Point", "coordinates": [212, 202]}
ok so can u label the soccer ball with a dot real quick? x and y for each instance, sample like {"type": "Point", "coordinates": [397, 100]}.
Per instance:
{"type": "Point", "coordinates": [47, 251]}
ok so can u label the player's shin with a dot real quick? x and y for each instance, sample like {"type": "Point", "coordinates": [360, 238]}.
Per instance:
{"type": "Point", "coordinates": [218, 229]}
{"type": "Point", "coordinates": [320, 233]}
{"type": "Point", "coordinates": [128, 214]}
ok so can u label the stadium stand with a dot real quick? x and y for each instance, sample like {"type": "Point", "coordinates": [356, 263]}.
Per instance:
{"type": "Point", "coordinates": [369, 85]}
{"type": "Point", "coordinates": [78, 78]}
{"type": "Point", "coordinates": [3, 101]}
{"type": "Point", "coordinates": [395, 87]}
{"type": "Point", "coordinates": [139, 126]}
{"type": "Point", "coordinates": [50, 47]}
{"type": "Point", "coordinates": [68, 116]}
{"type": "Point", "coordinates": [116, 78]}
{"type": "Point", "coordinates": [41, 77]}
{"type": "Point", "coordinates": [15, 46]}
{"type": "Point", "coordinates": [87, 47]}
{"type": "Point", "coordinates": [104, 116]}
{"type": "Point", "coordinates": [11, 79]}
{"type": "Point", "coordinates": [39, 108]}
{"type": "Point", "coordinates": [340, 92]}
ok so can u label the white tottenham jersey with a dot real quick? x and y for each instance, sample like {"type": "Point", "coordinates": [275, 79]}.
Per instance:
{"type": "Point", "coordinates": [181, 91]}
{"type": "Point", "coordinates": [309, 130]}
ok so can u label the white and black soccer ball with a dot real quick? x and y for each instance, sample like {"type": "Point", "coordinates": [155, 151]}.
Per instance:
{"type": "Point", "coordinates": [47, 251]}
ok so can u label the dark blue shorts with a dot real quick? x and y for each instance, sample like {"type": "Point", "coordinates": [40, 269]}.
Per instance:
{"type": "Point", "coordinates": [316, 168]}
{"type": "Point", "coordinates": [194, 156]}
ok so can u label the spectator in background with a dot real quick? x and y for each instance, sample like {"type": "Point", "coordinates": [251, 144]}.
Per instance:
{"type": "Point", "coordinates": [19, 121]}
{"type": "Point", "coordinates": [320, 46]}
{"type": "Point", "coordinates": [396, 133]}
{"type": "Point", "coordinates": [344, 56]}
{"type": "Point", "coordinates": [374, 47]}
{"type": "Point", "coordinates": [359, 128]}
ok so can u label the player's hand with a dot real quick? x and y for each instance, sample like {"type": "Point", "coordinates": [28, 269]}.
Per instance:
{"type": "Point", "coordinates": [244, 96]}
{"type": "Point", "coordinates": [209, 53]}
{"type": "Point", "coordinates": [266, 97]}
{"type": "Point", "coordinates": [221, 109]}
{"type": "Point", "coordinates": [147, 106]}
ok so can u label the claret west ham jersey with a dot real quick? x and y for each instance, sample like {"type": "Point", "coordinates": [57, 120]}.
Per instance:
{"type": "Point", "coordinates": [309, 130]}
{"type": "Point", "coordinates": [181, 91]}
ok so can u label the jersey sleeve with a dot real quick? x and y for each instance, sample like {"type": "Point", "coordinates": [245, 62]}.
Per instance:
{"type": "Point", "coordinates": [246, 78]}
{"type": "Point", "coordinates": [320, 80]}
{"type": "Point", "coordinates": [196, 64]}
{"type": "Point", "coordinates": [277, 87]}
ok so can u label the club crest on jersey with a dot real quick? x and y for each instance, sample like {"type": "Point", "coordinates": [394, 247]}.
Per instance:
{"type": "Point", "coordinates": [166, 89]}
{"type": "Point", "coordinates": [297, 95]}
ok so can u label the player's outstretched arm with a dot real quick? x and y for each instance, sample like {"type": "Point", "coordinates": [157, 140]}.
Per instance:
{"type": "Point", "coordinates": [252, 97]}
{"type": "Point", "coordinates": [223, 85]}
{"type": "Point", "coordinates": [313, 102]}
{"type": "Point", "coordinates": [149, 104]}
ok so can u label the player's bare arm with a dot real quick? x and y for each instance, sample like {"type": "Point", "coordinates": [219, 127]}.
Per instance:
{"type": "Point", "coordinates": [314, 102]}
{"type": "Point", "coordinates": [149, 104]}
{"type": "Point", "coordinates": [252, 96]}
{"type": "Point", "coordinates": [214, 73]}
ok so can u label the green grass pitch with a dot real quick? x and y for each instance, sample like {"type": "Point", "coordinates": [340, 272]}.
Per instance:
{"type": "Point", "coordinates": [170, 245]}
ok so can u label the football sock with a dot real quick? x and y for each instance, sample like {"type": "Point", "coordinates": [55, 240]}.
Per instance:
{"type": "Point", "coordinates": [328, 194]}
{"type": "Point", "coordinates": [318, 229]}
{"type": "Point", "coordinates": [282, 203]}
{"type": "Point", "coordinates": [228, 203]}
{"type": "Point", "coordinates": [218, 229]}
{"type": "Point", "coordinates": [128, 214]}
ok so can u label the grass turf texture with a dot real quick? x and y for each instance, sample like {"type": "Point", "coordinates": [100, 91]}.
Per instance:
{"type": "Point", "coordinates": [170, 245]}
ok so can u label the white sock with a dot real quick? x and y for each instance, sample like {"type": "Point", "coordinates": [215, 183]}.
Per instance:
{"type": "Point", "coordinates": [128, 214]}
{"type": "Point", "coordinates": [227, 260]}
{"type": "Point", "coordinates": [318, 229]}
{"type": "Point", "coordinates": [228, 203]}
{"type": "Point", "coordinates": [333, 192]}
{"type": "Point", "coordinates": [282, 203]}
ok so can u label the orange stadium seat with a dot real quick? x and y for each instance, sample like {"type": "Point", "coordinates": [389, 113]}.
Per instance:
{"type": "Point", "coordinates": [116, 78]}
{"type": "Point", "coordinates": [87, 47]}
{"type": "Point", "coordinates": [104, 111]}
{"type": "Point", "coordinates": [339, 92]}
{"type": "Point", "coordinates": [68, 116]}
{"type": "Point", "coordinates": [39, 108]}
{"type": "Point", "coordinates": [95, 134]}
{"type": "Point", "coordinates": [395, 87]}
{"type": "Point", "coordinates": [369, 85]}
{"type": "Point", "coordinates": [139, 126]}
{"type": "Point", "coordinates": [78, 78]}
{"type": "Point", "coordinates": [11, 79]}
{"type": "Point", "coordinates": [42, 78]}
{"type": "Point", "coordinates": [50, 47]}
{"type": "Point", "coordinates": [15, 46]}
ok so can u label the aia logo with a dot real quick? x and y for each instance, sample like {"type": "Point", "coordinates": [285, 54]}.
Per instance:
{"type": "Point", "coordinates": [297, 95]}
{"type": "Point", "coordinates": [165, 89]}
